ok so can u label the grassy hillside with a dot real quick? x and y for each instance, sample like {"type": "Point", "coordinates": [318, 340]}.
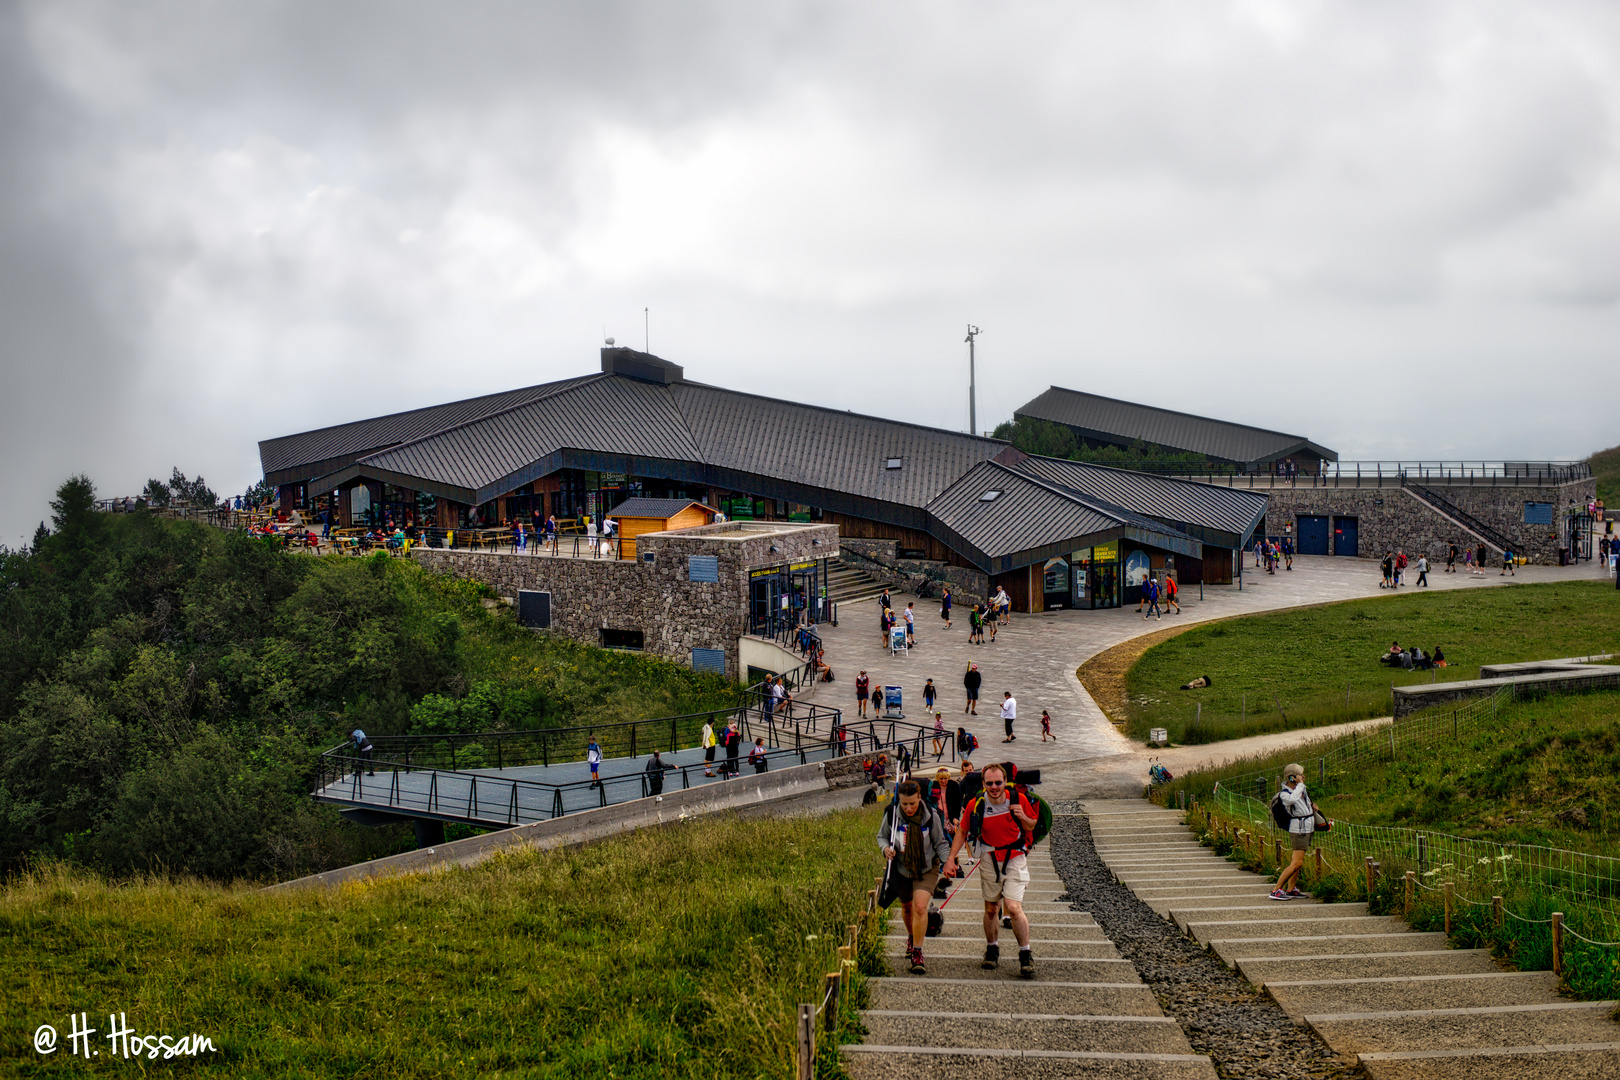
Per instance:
{"type": "Point", "coordinates": [1291, 669]}
{"type": "Point", "coordinates": [165, 687]}
{"type": "Point", "coordinates": [619, 959]}
{"type": "Point", "coordinates": [1606, 470]}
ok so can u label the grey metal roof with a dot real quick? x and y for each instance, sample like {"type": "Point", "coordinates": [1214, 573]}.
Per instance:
{"type": "Point", "coordinates": [1235, 512]}
{"type": "Point", "coordinates": [1104, 418]}
{"type": "Point", "coordinates": [1031, 519]}
{"type": "Point", "coordinates": [361, 437]}
{"type": "Point", "coordinates": [607, 414]}
{"type": "Point", "coordinates": [655, 508]}
{"type": "Point", "coordinates": [828, 448]}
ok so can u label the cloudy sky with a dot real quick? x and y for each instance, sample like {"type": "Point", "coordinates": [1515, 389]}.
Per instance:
{"type": "Point", "coordinates": [1393, 227]}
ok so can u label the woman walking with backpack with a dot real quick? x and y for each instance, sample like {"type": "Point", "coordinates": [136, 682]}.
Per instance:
{"type": "Point", "coordinates": [1293, 801]}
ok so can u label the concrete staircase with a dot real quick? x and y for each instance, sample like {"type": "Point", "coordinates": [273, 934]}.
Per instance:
{"type": "Point", "coordinates": [1085, 1014]}
{"type": "Point", "coordinates": [1401, 1003]}
{"type": "Point", "coordinates": [847, 584]}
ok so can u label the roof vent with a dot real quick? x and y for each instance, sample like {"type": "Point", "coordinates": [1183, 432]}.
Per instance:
{"type": "Point", "coordinates": [643, 366]}
{"type": "Point", "coordinates": [893, 463]}
{"type": "Point", "coordinates": [990, 496]}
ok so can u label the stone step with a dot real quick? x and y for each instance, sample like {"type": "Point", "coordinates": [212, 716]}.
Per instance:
{"type": "Point", "coordinates": [1234, 900]}
{"type": "Point", "coordinates": [1552, 1024]}
{"type": "Point", "coordinates": [1369, 965]}
{"type": "Point", "coordinates": [1055, 968]}
{"type": "Point", "coordinates": [1235, 950]}
{"type": "Point", "coordinates": [972, 929]}
{"type": "Point", "coordinates": [943, 946]}
{"type": "Point", "coordinates": [1589, 1061]}
{"type": "Point", "coordinates": [1217, 873]}
{"type": "Point", "coordinates": [1118, 1034]}
{"type": "Point", "coordinates": [1265, 910]}
{"type": "Point", "coordinates": [1192, 892]}
{"type": "Point", "coordinates": [873, 1062]}
{"type": "Point", "coordinates": [1214, 929]}
{"type": "Point", "coordinates": [1305, 998]}
{"type": "Point", "coordinates": [1015, 995]}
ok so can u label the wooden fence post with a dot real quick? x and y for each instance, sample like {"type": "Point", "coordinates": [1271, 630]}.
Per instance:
{"type": "Point", "coordinates": [1558, 943]}
{"type": "Point", "coordinates": [1277, 844]}
{"type": "Point", "coordinates": [1448, 909]}
{"type": "Point", "coordinates": [1411, 880]}
{"type": "Point", "coordinates": [1318, 853]}
{"type": "Point", "coordinates": [1369, 870]}
{"type": "Point", "coordinates": [1496, 910]}
{"type": "Point", "coordinates": [807, 1041]}
{"type": "Point", "coordinates": [835, 981]}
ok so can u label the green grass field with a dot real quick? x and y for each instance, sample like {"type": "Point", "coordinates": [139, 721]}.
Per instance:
{"type": "Point", "coordinates": [675, 952]}
{"type": "Point", "coordinates": [1314, 666]}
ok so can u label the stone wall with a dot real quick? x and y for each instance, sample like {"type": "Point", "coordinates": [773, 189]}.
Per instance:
{"type": "Point", "coordinates": [1393, 518]}
{"type": "Point", "coordinates": [652, 594]}
{"type": "Point", "coordinates": [919, 577]}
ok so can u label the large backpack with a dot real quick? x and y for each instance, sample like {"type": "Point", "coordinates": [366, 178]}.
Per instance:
{"type": "Point", "coordinates": [1033, 804]}
{"type": "Point", "coordinates": [1280, 814]}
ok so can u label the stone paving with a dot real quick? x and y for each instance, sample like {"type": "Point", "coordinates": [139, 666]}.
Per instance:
{"type": "Point", "coordinates": [1035, 656]}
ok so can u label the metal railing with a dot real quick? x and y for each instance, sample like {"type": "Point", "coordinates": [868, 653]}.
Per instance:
{"type": "Point", "coordinates": [437, 776]}
{"type": "Point", "coordinates": [1462, 517]}
{"type": "Point", "coordinates": [1355, 474]}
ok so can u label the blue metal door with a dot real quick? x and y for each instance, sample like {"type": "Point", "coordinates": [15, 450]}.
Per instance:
{"type": "Point", "coordinates": [1344, 536]}
{"type": "Point", "coordinates": [1313, 534]}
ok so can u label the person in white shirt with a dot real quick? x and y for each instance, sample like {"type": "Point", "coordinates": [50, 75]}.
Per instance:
{"type": "Point", "coordinates": [1009, 713]}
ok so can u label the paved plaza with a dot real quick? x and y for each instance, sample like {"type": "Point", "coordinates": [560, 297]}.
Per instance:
{"type": "Point", "coordinates": [1035, 656]}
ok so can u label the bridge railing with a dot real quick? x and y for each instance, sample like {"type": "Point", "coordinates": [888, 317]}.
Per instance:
{"type": "Point", "coordinates": [1354, 474]}
{"type": "Point", "coordinates": [495, 800]}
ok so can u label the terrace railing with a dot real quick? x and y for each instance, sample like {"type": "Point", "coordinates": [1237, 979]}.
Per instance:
{"type": "Point", "coordinates": [1355, 474]}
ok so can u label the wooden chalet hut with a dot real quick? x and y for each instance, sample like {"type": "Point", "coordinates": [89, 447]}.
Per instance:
{"type": "Point", "coordinates": [638, 516]}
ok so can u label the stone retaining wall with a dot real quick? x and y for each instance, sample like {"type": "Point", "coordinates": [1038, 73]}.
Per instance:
{"type": "Point", "coordinates": [651, 594]}
{"type": "Point", "coordinates": [1575, 680]}
{"type": "Point", "coordinates": [1392, 518]}
{"type": "Point", "coordinates": [919, 577]}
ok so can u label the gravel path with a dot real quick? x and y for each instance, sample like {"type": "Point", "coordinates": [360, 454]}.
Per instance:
{"type": "Point", "coordinates": [1243, 1032]}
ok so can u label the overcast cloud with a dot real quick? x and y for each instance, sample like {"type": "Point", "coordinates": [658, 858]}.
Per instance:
{"type": "Point", "coordinates": [1392, 227]}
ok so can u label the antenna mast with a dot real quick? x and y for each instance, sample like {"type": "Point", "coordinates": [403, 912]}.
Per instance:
{"type": "Point", "coordinates": [973, 416]}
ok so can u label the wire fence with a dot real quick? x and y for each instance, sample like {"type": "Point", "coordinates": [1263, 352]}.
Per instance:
{"type": "Point", "coordinates": [1477, 871]}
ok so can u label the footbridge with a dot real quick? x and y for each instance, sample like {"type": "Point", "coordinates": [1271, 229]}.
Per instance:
{"type": "Point", "coordinates": [500, 779]}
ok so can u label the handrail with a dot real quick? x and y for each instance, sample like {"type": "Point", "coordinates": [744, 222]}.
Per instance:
{"type": "Point", "coordinates": [1469, 521]}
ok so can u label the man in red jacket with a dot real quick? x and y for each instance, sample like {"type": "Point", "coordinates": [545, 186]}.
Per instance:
{"type": "Point", "coordinates": [1001, 824]}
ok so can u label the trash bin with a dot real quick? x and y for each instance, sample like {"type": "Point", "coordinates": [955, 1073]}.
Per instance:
{"type": "Point", "coordinates": [1563, 556]}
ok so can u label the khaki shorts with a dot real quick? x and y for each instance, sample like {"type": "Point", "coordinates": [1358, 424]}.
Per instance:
{"type": "Point", "coordinates": [1014, 880]}
{"type": "Point", "coordinates": [1300, 841]}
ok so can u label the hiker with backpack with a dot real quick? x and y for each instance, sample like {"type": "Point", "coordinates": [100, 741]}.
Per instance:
{"type": "Point", "coordinates": [1001, 824]}
{"type": "Point", "coordinates": [1291, 809]}
{"type": "Point", "coordinates": [912, 837]}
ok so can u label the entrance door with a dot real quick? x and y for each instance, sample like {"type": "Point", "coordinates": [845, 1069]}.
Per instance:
{"type": "Point", "coordinates": [1313, 534]}
{"type": "Point", "coordinates": [1344, 536]}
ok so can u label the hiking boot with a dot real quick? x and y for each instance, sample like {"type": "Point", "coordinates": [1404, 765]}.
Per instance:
{"type": "Point", "coordinates": [1026, 964]}
{"type": "Point", "coordinates": [917, 965]}
{"type": "Point", "coordinates": [992, 957]}
{"type": "Point", "coordinates": [1278, 894]}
